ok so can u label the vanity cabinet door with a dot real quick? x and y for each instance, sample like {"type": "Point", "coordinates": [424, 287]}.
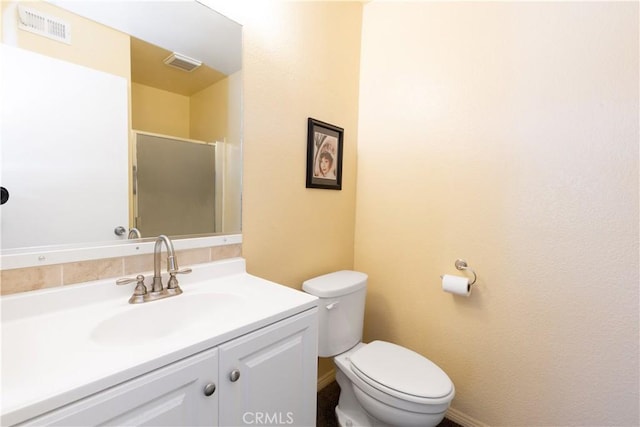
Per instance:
{"type": "Point", "coordinates": [269, 377]}
{"type": "Point", "coordinates": [169, 396]}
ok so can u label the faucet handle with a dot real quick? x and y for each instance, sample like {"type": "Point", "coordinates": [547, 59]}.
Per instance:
{"type": "Point", "coordinates": [140, 289]}
{"type": "Point", "coordinates": [173, 282]}
{"type": "Point", "coordinates": [125, 280]}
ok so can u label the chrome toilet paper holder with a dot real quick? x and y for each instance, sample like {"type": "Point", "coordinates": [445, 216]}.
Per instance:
{"type": "Point", "coordinates": [462, 265]}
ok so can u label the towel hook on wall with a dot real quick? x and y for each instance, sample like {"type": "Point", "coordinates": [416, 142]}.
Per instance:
{"type": "Point", "coordinates": [462, 265]}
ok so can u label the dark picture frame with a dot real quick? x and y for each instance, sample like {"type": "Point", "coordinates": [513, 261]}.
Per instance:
{"type": "Point", "coordinates": [324, 155]}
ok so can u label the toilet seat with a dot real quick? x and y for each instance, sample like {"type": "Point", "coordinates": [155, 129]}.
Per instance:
{"type": "Point", "coordinates": [401, 373]}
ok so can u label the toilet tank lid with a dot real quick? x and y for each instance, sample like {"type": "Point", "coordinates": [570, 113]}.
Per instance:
{"type": "Point", "coordinates": [335, 284]}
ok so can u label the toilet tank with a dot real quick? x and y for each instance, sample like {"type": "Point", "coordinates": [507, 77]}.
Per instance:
{"type": "Point", "coordinates": [340, 309]}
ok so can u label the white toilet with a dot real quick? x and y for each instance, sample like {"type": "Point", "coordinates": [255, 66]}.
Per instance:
{"type": "Point", "coordinates": [381, 384]}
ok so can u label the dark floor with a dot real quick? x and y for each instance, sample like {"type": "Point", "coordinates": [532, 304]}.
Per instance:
{"type": "Point", "coordinates": [327, 401]}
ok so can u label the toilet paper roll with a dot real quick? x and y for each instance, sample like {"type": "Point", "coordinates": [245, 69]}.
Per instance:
{"type": "Point", "coordinates": [456, 285]}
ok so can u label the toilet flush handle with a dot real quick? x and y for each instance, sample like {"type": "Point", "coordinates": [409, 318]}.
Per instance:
{"type": "Point", "coordinates": [332, 305]}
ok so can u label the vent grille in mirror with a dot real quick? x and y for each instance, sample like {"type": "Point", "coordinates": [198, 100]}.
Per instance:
{"type": "Point", "coordinates": [44, 25]}
{"type": "Point", "coordinates": [182, 62]}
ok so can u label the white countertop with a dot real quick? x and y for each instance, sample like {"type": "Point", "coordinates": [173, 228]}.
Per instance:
{"type": "Point", "coordinates": [53, 353]}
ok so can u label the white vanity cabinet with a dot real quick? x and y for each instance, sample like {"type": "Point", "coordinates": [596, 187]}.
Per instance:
{"type": "Point", "coordinates": [267, 376]}
{"type": "Point", "coordinates": [82, 355]}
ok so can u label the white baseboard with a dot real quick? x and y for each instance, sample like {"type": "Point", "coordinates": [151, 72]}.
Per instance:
{"type": "Point", "coordinates": [326, 379]}
{"type": "Point", "coordinates": [463, 419]}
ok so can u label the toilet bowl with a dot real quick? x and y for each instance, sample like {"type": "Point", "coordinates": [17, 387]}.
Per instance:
{"type": "Point", "coordinates": [381, 383]}
{"type": "Point", "coordinates": [398, 399]}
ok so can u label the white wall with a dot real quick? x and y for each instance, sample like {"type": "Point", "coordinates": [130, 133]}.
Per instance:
{"type": "Point", "coordinates": [506, 133]}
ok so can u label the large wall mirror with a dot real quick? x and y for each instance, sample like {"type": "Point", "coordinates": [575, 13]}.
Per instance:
{"type": "Point", "coordinates": [118, 115]}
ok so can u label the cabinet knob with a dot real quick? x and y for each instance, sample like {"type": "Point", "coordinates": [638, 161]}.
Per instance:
{"type": "Point", "coordinates": [209, 389]}
{"type": "Point", "coordinates": [234, 375]}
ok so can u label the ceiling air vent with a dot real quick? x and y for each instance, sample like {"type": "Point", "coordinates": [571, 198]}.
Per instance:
{"type": "Point", "coordinates": [182, 62]}
{"type": "Point", "coordinates": [37, 22]}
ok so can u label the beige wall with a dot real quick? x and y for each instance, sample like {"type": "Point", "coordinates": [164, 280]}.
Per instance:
{"type": "Point", "coordinates": [159, 111]}
{"type": "Point", "coordinates": [209, 112]}
{"type": "Point", "coordinates": [507, 134]}
{"type": "Point", "coordinates": [301, 59]}
{"type": "Point", "coordinates": [202, 116]}
{"type": "Point", "coordinates": [232, 203]}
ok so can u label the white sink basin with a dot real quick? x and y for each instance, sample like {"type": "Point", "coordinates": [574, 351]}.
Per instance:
{"type": "Point", "coordinates": [158, 319]}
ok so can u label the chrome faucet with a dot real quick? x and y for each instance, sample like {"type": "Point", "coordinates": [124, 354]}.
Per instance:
{"type": "Point", "coordinates": [172, 264]}
{"type": "Point", "coordinates": [157, 289]}
{"type": "Point", "coordinates": [172, 267]}
{"type": "Point", "coordinates": [134, 233]}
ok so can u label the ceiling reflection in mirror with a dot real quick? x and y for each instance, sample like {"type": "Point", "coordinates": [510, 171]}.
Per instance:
{"type": "Point", "coordinates": [69, 143]}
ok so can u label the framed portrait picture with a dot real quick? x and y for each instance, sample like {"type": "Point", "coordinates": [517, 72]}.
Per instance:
{"type": "Point", "coordinates": [324, 155]}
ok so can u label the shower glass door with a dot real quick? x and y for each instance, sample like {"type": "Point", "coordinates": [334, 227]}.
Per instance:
{"type": "Point", "coordinates": [174, 186]}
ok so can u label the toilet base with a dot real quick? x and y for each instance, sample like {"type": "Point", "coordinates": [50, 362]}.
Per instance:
{"type": "Point", "coordinates": [349, 412]}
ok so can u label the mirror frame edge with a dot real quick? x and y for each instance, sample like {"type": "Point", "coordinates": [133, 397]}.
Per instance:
{"type": "Point", "coordinates": [49, 256]}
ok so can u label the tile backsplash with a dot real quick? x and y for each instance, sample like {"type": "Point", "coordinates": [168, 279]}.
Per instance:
{"type": "Point", "coordinates": [33, 278]}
